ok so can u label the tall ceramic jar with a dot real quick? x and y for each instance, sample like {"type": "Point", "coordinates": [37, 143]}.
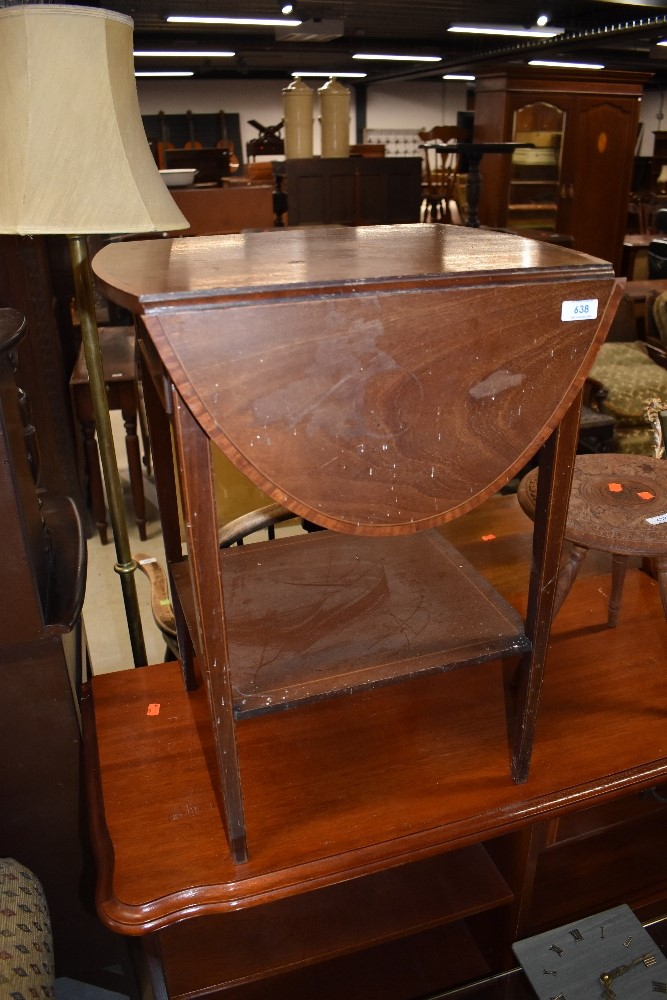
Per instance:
{"type": "Point", "coordinates": [335, 118]}
{"type": "Point", "coordinates": [298, 115]}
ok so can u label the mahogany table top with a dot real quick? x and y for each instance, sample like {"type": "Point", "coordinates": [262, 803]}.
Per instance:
{"type": "Point", "coordinates": [376, 380]}
{"type": "Point", "coordinates": [147, 274]}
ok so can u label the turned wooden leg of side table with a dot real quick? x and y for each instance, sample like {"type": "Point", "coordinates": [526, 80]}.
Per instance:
{"type": "Point", "coordinates": [129, 408]}
{"type": "Point", "coordinates": [95, 485]}
{"type": "Point", "coordinates": [118, 357]}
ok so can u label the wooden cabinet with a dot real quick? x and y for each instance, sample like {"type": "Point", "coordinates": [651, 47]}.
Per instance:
{"type": "Point", "coordinates": [216, 210]}
{"type": "Point", "coordinates": [589, 121]}
{"type": "Point", "coordinates": [41, 650]}
{"type": "Point", "coordinates": [36, 279]}
{"type": "Point", "coordinates": [353, 190]}
{"type": "Point", "coordinates": [477, 861]}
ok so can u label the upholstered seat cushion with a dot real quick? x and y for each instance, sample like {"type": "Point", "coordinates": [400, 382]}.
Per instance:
{"type": "Point", "coordinates": [26, 953]}
{"type": "Point", "coordinates": [659, 309]}
{"type": "Point", "coordinates": [631, 379]}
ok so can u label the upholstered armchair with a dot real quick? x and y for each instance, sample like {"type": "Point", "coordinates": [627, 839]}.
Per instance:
{"type": "Point", "coordinates": [26, 954]}
{"type": "Point", "coordinates": [633, 371]}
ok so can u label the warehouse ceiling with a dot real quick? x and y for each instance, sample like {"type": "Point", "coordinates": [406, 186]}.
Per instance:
{"type": "Point", "coordinates": [617, 35]}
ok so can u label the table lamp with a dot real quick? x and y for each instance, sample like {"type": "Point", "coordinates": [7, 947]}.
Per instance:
{"type": "Point", "coordinates": [75, 161]}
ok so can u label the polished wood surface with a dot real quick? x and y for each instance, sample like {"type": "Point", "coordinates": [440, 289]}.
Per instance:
{"type": "Point", "coordinates": [428, 900]}
{"type": "Point", "coordinates": [363, 784]}
{"type": "Point", "coordinates": [349, 354]}
{"type": "Point", "coordinates": [641, 290]}
{"type": "Point", "coordinates": [146, 274]}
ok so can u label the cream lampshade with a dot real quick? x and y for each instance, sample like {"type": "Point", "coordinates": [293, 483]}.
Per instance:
{"type": "Point", "coordinates": [75, 161]}
{"type": "Point", "coordinates": [75, 158]}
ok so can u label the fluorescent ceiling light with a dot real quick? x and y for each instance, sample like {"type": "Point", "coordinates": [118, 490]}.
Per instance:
{"type": "Point", "coordinates": [663, 42]}
{"type": "Point", "coordinates": [372, 55]}
{"type": "Point", "coordinates": [164, 72]}
{"type": "Point", "coordinates": [566, 65]}
{"type": "Point", "coordinates": [515, 31]}
{"type": "Point", "coordinates": [457, 76]}
{"type": "Point", "coordinates": [260, 22]}
{"type": "Point", "coordinates": [329, 74]}
{"type": "Point", "coordinates": [183, 53]}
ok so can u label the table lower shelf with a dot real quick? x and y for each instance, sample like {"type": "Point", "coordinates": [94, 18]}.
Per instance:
{"type": "Point", "coordinates": [316, 615]}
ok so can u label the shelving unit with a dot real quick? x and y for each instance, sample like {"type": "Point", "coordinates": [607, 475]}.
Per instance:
{"type": "Point", "coordinates": [402, 863]}
{"type": "Point", "coordinates": [534, 187]}
{"type": "Point", "coordinates": [433, 894]}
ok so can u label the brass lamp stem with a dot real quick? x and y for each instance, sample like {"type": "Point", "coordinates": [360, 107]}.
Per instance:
{"type": "Point", "coordinates": [125, 565]}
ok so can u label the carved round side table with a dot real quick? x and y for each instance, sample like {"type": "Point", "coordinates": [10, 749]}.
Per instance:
{"type": "Point", "coordinates": [618, 504]}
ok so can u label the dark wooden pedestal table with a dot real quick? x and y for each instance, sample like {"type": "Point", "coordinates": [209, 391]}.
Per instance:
{"type": "Point", "coordinates": [474, 151]}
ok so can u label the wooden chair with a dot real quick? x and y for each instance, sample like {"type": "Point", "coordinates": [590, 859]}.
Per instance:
{"type": "Point", "coordinates": [441, 174]}
{"type": "Point", "coordinates": [233, 533]}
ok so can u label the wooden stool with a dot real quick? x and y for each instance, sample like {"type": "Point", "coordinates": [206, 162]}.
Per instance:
{"type": "Point", "coordinates": [117, 344]}
{"type": "Point", "coordinates": [614, 500]}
